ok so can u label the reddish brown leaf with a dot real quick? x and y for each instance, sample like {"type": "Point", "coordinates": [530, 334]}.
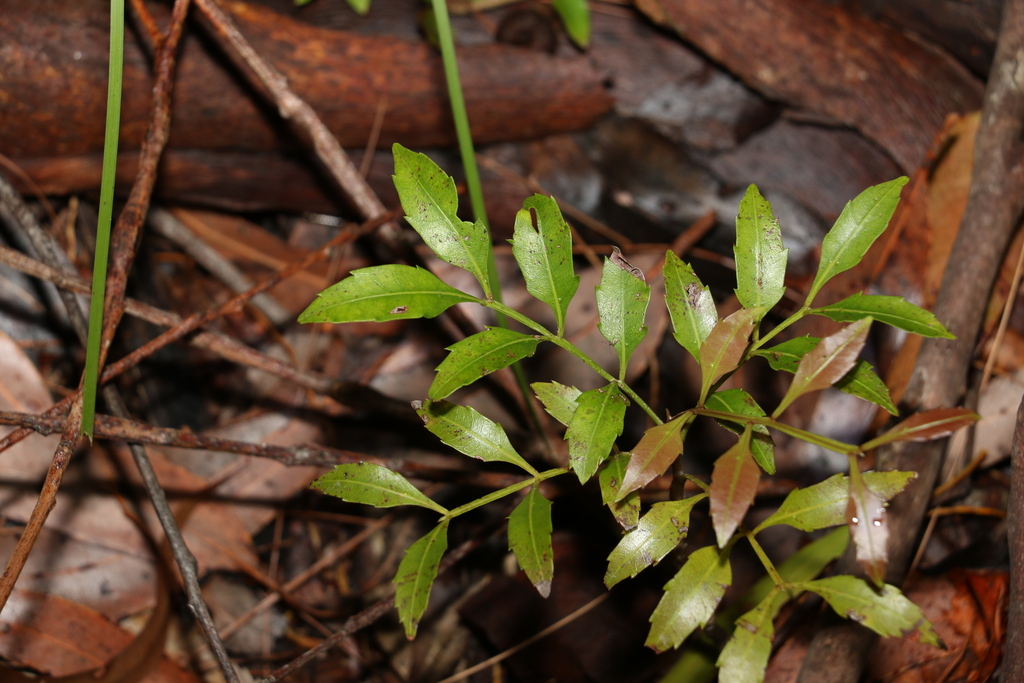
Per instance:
{"type": "Point", "coordinates": [828, 362]}
{"type": "Point", "coordinates": [733, 487]}
{"type": "Point", "coordinates": [931, 424]}
{"type": "Point", "coordinates": [658, 447]}
{"type": "Point", "coordinates": [869, 528]}
{"type": "Point", "coordinates": [722, 351]}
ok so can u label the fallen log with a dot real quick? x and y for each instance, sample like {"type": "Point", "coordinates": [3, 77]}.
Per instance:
{"type": "Point", "coordinates": [835, 64]}
{"type": "Point", "coordinates": [53, 71]}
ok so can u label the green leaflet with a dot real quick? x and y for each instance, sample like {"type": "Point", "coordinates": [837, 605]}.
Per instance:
{"type": "Point", "coordinates": [823, 504]}
{"type": "Point", "coordinates": [690, 598]}
{"type": "Point", "coordinates": [656, 535]}
{"type": "Point", "coordinates": [529, 537]}
{"type": "Point", "coordinates": [431, 203]}
{"type": "Point", "coordinates": [861, 381]}
{"type": "Point", "coordinates": [723, 349]}
{"type": "Point", "coordinates": [733, 488]}
{"type": "Point", "coordinates": [360, 7]}
{"type": "Point", "coordinates": [622, 299]}
{"type": "Point", "coordinates": [886, 611]}
{"type": "Point", "coordinates": [689, 304]}
{"type": "Point", "coordinates": [856, 229]}
{"type": "Point", "coordinates": [593, 429]}
{"type": "Point", "coordinates": [627, 510]}
{"type": "Point", "coordinates": [739, 401]}
{"type": "Point", "coordinates": [469, 432]}
{"type": "Point", "coordinates": [559, 400]}
{"type": "Point", "coordinates": [416, 575]}
{"type": "Point", "coordinates": [381, 293]}
{"type": "Point", "coordinates": [575, 16]}
{"type": "Point", "coordinates": [827, 362]}
{"type": "Point", "coordinates": [370, 484]}
{"type": "Point", "coordinates": [545, 255]}
{"type": "Point", "coordinates": [891, 310]}
{"type": "Point", "coordinates": [479, 355]}
{"type": "Point", "coordinates": [760, 256]}
{"type": "Point", "coordinates": [657, 450]}
{"type": "Point", "coordinates": [745, 657]}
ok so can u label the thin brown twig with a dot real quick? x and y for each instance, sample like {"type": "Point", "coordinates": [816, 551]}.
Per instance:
{"type": "Point", "coordinates": [332, 390]}
{"type": "Point", "coordinates": [300, 455]}
{"type": "Point", "coordinates": [502, 656]}
{"type": "Point", "coordinates": [44, 503]}
{"type": "Point", "coordinates": [126, 233]}
{"type": "Point", "coordinates": [294, 109]}
{"type": "Point", "coordinates": [363, 619]}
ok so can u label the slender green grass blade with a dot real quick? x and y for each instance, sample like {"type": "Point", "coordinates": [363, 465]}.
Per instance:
{"type": "Point", "coordinates": [106, 210]}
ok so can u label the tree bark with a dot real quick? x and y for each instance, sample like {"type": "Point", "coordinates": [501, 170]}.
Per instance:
{"type": "Point", "coordinates": [836, 64]}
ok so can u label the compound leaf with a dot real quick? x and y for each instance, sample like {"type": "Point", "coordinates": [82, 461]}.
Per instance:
{"type": "Point", "coordinates": [469, 432]}
{"type": "Point", "coordinates": [431, 203]}
{"type": "Point", "coordinates": [416, 575]}
{"type": "Point", "coordinates": [733, 488]}
{"type": "Point", "coordinates": [745, 657]}
{"type": "Point", "coordinates": [931, 424]}
{"type": "Point", "coordinates": [760, 256]}
{"type": "Point", "coordinates": [593, 429]}
{"type": "Point", "coordinates": [860, 223]}
{"type": "Point", "coordinates": [657, 449]}
{"type": "Point", "coordinates": [369, 484]}
{"type": "Point", "coordinates": [627, 510]}
{"type": "Point", "coordinates": [891, 310]}
{"type": "Point", "coordinates": [689, 304]}
{"type": "Point", "coordinates": [824, 504]}
{"type": "Point", "coordinates": [382, 293]}
{"type": "Point", "coordinates": [655, 536]}
{"type": "Point", "coordinates": [529, 537]}
{"type": "Point", "coordinates": [885, 611]}
{"type": "Point", "coordinates": [559, 400]}
{"type": "Point", "coordinates": [739, 401]}
{"type": "Point", "coordinates": [478, 355]}
{"type": "Point", "coordinates": [723, 349]}
{"type": "Point", "coordinates": [827, 362]}
{"type": "Point", "coordinates": [622, 299]}
{"type": "Point", "coordinates": [690, 598]}
{"type": "Point", "coordinates": [545, 255]}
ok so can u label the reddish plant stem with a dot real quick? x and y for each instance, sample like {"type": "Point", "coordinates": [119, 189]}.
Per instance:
{"type": "Point", "coordinates": [126, 231]}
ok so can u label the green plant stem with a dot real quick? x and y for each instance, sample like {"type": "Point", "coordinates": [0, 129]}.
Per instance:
{"type": "Point", "coordinates": [564, 343]}
{"type": "Point", "coordinates": [769, 566]}
{"type": "Point", "coordinates": [446, 40]}
{"type": "Point", "coordinates": [809, 437]}
{"type": "Point", "coordinates": [777, 329]}
{"type": "Point", "coordinates": [507, 491]}
{"type": "Point", "coordinates": [106, 210]}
